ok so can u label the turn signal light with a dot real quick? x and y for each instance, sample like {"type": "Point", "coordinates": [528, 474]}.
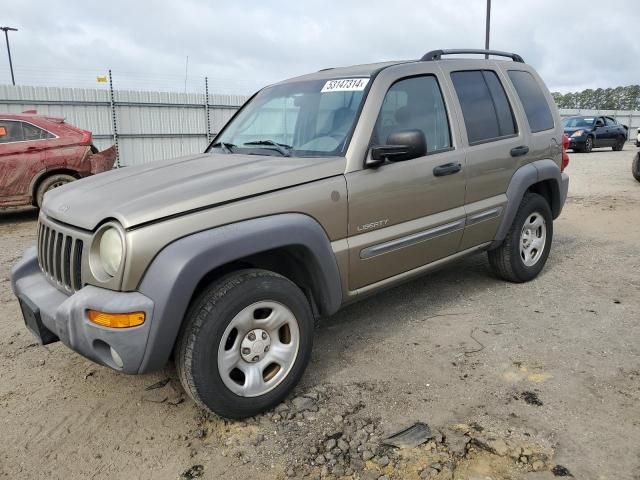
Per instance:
{"type": "Point", "coordinates": [116, 320]}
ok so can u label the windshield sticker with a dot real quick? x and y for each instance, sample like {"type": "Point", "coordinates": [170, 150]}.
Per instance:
{"type": "Point", "coordinates": [345, 85]}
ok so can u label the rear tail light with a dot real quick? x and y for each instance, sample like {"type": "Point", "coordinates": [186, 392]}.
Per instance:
{"type": "Point", "coordinates": [86, 137]}
{"type": "Point", "coordinates": [565, 155]}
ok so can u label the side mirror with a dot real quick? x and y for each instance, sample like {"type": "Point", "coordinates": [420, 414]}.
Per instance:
{"type": "Point", "coordinates": [401, 145]}
{"type": "Point", "coordinates": [599, 123]}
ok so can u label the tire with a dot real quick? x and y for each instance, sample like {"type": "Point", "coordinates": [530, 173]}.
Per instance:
{"type": "Point", "coordinates": [635, 167]}
{"type": "Point", "coordinates": [588, 145]}
{"type": "Point", "coordinates": [619, 144]}
{"type": "Point", "coordinates": [509, 261]}
{"type": "Point", "coordinates": [245, 301]}
{"type": "Point", "coordinates": [49, 183]}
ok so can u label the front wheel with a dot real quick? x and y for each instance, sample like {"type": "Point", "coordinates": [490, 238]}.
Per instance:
{"type": "Point", "coordinates": [635, 167]}
{"type": "Point", "coordinates": [525, 249]}
{"type": "Point", "coordinates": [246, 342]}
{"type": "Point", "coordinates": [588, 145]}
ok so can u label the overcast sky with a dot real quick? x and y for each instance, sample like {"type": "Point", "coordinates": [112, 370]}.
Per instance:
{"type": "Point", "coordinates": [244, 45]}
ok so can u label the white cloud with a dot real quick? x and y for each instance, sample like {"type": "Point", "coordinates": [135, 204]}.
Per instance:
{"type": "Point", "coordinates": [244, 45]}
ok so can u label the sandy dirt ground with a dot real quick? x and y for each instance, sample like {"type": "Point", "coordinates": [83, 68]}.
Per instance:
{"type": "Point", "coordinates": [515, 381]}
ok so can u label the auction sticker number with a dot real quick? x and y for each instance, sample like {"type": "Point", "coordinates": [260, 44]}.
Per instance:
{"type": "Point", "coordinates": [345, 85]}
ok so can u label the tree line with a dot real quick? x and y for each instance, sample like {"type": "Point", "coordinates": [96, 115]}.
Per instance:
{"type": "Point", "coordinates": [619, 98]}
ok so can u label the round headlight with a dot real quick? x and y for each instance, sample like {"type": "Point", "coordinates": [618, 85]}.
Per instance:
{"type": "Point", "coordinates": [111, 251]}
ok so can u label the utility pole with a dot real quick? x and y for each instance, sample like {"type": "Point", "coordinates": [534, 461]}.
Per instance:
{"type": "Point", "coordinates": [488, 27]}
{"type": "Point", "coordinates": [6, 31]}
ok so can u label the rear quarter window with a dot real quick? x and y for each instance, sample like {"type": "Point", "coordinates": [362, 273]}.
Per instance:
{"type": "Point", "coordinates": [533, 100]}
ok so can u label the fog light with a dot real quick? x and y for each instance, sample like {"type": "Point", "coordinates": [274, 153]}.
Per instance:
{"type": "Point", "coordinates": [116, 358]}
{"type": "Point", "coordinates": [116, 320]}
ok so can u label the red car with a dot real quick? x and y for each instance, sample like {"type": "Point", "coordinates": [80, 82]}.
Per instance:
{"type": "Point", "coordinates": [38, 153]}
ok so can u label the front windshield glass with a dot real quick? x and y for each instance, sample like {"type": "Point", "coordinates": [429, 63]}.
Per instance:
{"type": "Point", "coordinates": [308, 118]}
{"type": "Point", "coordinates": [576, 122]}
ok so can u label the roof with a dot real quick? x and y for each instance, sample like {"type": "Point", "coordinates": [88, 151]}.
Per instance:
{"type": "Point", "coordinates": [370, 69]}
{"type": "Point", "coordinates": [30, 115]}
{"type": "Point", "coordinates": [364, 70]}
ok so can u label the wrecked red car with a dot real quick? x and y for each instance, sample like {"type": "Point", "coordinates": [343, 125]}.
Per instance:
{"type": "Point", "coordinates": [39, 153]}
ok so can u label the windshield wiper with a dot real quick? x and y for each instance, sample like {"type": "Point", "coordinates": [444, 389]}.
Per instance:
{"type": "Point", "coordinates": [281, 147]}
{"type": "Point", "coordinates": [226, 147]}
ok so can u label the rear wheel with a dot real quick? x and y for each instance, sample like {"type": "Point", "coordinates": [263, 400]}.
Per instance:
{"type": "Point", "coordinates": [245, 344]}
{"type": "Point", "coordinates": [525, 249]}
{"type": "Point", "coordinates": [49, 183]}
{"type": "Point", "coordinates": [635, 167]}
{"type": "Point", "coordinates": [619, 144]}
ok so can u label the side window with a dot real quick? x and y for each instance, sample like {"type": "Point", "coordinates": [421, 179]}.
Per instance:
{"type": "Point", "coordinates": [485, 107]}
{"type": "Point", "coordinates": [610, 122]}
{"type": "Point", "coordinates": [11, 131]}
{"type": "Point", "coordinates": [415, 103]}
{"type": "Point", "coordinates": [31, 132]}
{"type": "Point", "coordinates": [533, 100]}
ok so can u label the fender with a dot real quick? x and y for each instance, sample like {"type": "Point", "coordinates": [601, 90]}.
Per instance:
{"type": "Point", "coordinates": [522, 179]}
{"type": "Point", "coordinates": [177, 270]}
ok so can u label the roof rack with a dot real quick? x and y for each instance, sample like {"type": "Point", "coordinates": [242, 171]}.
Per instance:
{"type": "Point", "coordinates": [437, 54]}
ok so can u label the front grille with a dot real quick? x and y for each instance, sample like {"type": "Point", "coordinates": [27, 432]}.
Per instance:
{"type": "Point", "coordinates": [60, 257]}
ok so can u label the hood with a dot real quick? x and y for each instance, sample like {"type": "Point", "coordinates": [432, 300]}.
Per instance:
{"type": "Point", "coordinates": [136, 195]}
{"type": "Point", "coordinates": [570, 130]}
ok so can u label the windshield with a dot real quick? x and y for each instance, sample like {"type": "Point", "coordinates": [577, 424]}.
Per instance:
{"type": "Point", "coordinates": [308, 118]}
{"type": "Point", "coordinates": [575, 122]}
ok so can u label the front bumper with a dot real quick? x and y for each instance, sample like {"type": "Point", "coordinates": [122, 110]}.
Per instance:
{"type": "Point", "coordinates": [577, 142]}
{"type": "Point", "coordinates": [64, 316]}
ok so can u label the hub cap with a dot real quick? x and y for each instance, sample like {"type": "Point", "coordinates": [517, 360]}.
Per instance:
{"type": "Point", "coordinates": [533, 239]}
{"type": "Point", "coordinates": [258, 348]}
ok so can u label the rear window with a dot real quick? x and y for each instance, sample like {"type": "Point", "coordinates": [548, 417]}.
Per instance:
{"type": "Point", "coordinates": [533, 100]}
{"type": "Point", "coordinates": [31, 132]}
{"type": "Point", "coordinates": [486, 110]}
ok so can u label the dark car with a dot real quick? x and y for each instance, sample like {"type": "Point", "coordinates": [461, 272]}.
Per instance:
{"type": "Point", "coordinates": [588, 132]}
{"type": "Point", "coordinates": [38, 153]}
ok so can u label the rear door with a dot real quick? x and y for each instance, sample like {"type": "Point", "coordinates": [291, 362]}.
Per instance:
{"type": "Point", "coordinates": [614, 130]}
{"type": "Point", "coordinates": [403, 215]}
{"type": "Point", "coordinates": [495, 144]}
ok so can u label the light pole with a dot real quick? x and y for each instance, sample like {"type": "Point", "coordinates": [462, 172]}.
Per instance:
{"type": "Point", "coordinates": [6, 37]}
{"type": "Point", "coordinates": [488, 27]}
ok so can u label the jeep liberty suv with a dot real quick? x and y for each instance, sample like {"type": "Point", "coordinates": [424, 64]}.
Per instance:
{"type": "Point", "coordinates": [321, 190]}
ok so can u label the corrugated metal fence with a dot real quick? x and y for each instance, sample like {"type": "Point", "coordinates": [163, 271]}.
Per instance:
{"type": "Point", "coordinates": [149, 125]}
{"type": "Point", "coordinates": [157, 125]}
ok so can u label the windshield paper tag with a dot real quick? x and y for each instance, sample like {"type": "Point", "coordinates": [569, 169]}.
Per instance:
{"type": "Point", "coordinates": [345, 85]}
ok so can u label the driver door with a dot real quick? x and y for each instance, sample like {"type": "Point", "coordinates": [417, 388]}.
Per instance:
{"type": "Point", "coordinates": [403, 215]}
{"type": "Point", "coordinates": [601, 132]}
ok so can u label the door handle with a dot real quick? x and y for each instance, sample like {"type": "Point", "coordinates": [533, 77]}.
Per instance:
{"type": "Point", "coordinates": [447, 169]}
{"type": "Point", "coordinates": [518, 151]}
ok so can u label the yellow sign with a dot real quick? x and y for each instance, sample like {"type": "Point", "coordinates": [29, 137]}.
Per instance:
{"type": "Point", "coordinates": [102, 79]}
